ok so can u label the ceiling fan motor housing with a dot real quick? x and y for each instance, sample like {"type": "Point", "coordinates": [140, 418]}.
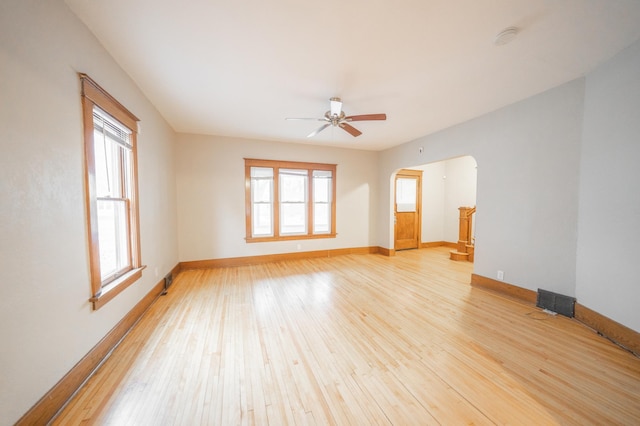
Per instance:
{"type": "Point", "coordinates": [337, 118]}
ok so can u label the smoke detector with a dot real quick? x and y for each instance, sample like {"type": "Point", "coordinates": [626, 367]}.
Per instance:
{"type": "Point", "coordinates": [505, 36]}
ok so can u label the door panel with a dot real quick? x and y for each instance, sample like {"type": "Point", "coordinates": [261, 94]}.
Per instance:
{"type": "Point", "coordinates": [407, 207]}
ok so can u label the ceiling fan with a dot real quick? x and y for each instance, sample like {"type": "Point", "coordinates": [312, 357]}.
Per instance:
{"type": "Point", "coordinates": [337, 118]}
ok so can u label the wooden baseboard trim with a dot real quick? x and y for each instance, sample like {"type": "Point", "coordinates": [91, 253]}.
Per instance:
{"type": "Point", "coordinates": [612, 330]}
{"type": "Point", "coordinates": [255, 260]}
{"type": "Point", "coordinates": [386, 251]}
{"type": "Point", "coordinates": [55, 399]}
{"type": "Point", "coordinates": [507, 289]}
{"type": "Point", "coordinates": [175, 271]}
{"type": "Point", "coordinates": [431, 244]}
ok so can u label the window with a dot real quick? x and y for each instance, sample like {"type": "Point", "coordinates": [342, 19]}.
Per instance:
{"type": "Point", "coordinates": [289, 200]}
{"type": "Point", "coordinates": [111, 193]}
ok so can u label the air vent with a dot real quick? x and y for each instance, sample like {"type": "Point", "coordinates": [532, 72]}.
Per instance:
{"type": "Point", "coordinates": [168, 280]}
{"type": "Point", "coordinates": [564, 305]}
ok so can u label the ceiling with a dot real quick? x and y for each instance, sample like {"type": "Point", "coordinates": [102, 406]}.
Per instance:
{"type": "Point", "coordinates": [238, 68]}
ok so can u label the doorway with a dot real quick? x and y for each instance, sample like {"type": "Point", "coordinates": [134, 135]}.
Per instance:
{"type": "Point", "coordinates": [407, 208]}
{"type": "Point", "coordinates": [446, 185]}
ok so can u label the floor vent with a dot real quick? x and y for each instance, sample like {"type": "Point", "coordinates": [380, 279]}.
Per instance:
{"type": "Point", "coordinates": [168, 279]}
{"type": "Point", "coordinates": [564, 305]}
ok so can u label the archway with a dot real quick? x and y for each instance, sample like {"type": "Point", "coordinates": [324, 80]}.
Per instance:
{"type": "Point", "coordinates": [446, 186]}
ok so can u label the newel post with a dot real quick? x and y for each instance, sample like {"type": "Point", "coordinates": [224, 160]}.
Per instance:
{"type": "Point", "coordinates": [464, 232]}
{"type": "Point", "coordinates": [464, 249]}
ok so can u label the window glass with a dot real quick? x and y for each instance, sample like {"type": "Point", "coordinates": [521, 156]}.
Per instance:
{"type": "Point", "coordinates": [113, 231]}
{"type": "Point", "coordinates": [112, 171]}
{"type": "Point", "coordinates": [289, 200]}
{"type": "Point", "coordinates": [262, 220]}
{"type": "Point", "coordinates": [322, 201]}
{"type": "Point", "coordinates": [293, 218]}
{"type": "Point", "coordinates": [261, 185]}
{"type": "Point", "coordinates": [262, 201]}
{"type": "Point", "coordinates": [321, 218]}
{"type": "Point", "coordinates": [293, 201]}
{"type": "Point", "coordinates": [406, 194]}
{"type": "Point", "coordinates": [293, 186]}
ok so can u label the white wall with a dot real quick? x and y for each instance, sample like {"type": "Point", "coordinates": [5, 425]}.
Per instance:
{"type": "Point", "coordinates": [527, 193]}
{"type": "Point", "coordinates": [46, 322]}
{"type": "Point", "coordinates": [608, 265]}
{"type": "Point", "coordinates": [210, 181]}
{"type": "Point", "coordinates": [460, 190]}
{"type": "Point", "coordinates": [433, 193]}
{"type": "Point", "coordinates": [446, 186]}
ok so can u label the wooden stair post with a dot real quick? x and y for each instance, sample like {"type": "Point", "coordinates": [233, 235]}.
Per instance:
{"type": "Point", "coordinates": [465, 248]}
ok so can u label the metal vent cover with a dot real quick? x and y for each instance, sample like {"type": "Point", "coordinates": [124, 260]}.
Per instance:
{"type": "Point", "coordinates": [168, 279]}
{"type": "Point", "coordinates": [564, 305]}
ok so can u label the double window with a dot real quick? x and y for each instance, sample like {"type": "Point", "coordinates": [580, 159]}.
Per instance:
{"type": "Point", "coordinates": [289, 200]}
{"type": "Point", "coordinates": [111, 192]}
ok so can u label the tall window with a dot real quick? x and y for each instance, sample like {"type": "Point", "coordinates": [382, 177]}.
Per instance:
{"type": "Point", "coordinates": [111, 193]}
{"type": "Point", "coordinates": [289, 200]}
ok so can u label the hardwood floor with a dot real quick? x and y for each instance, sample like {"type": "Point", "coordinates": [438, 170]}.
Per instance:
{"type": "Point", "coordinates": [357, 339]}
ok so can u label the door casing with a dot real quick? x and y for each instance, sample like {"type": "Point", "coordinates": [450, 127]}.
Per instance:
{"type": "Point", "coordinates": [407, 226]}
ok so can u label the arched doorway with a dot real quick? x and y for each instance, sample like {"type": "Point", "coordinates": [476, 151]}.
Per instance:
{"type": "Point", "coordinates": [446, 186]}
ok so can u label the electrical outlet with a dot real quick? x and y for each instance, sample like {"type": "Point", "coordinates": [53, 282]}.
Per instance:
{"type": "Point", "coordinates": [501, 275]}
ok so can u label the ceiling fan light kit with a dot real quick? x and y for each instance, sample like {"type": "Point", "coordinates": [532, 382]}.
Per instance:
{"type": "Point", "coordinates": [336, 117]}
{"type": "Point", "coordinates": [336, 106]}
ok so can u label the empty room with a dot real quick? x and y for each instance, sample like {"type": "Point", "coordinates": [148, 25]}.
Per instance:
{"type": "Point", "coordinates": [319, 213]}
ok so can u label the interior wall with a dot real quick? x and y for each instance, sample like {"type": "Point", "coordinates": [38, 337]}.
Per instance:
{"type": "Point", "coordinates": [446, 186]}
{"type": "Point", "coordinates": [460, 190]}
{"type": "Point", "coordinates": [433, 193]}
{"type": "Point", "coordinates": [608, 270]}
{"type": "Point", "coordinates": [46, 321]}
{"type": "Point", "coordinates": [211, 196]}
{"type": "Point", "coordinates": [527, 188]}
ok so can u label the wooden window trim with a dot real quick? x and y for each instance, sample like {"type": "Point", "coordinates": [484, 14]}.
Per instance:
{"type": "Point", "coordinates": [116, 287]}
{"type": "Point", "coordinates": [277, 165]}
{"type": "Point", "coordinates": [93, 95]}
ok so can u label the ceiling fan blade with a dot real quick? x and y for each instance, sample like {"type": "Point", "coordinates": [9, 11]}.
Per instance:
{"type": "Point", "coordinates": [350, 129]}
{"type": "Point", "coordinates": [324, 126]}
{"type": "Point", "coordinates": [365, 117]}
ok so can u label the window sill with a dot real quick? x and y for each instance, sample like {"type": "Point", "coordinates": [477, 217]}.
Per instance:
{"type": "Point", "coordinates": [116, 287]}
{"type": "Point", "coordinates": [288, 238]}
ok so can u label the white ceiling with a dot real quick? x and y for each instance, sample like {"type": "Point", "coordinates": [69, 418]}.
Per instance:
{"type": "Point", "coordinates": [239, 67]}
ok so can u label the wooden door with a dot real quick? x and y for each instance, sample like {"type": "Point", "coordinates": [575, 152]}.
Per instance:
{"type": "Point", "coordinates": [407, 207]}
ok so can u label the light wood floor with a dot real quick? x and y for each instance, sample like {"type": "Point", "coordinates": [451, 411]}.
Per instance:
{"type": "Point", "coordinates": [358, 339]}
